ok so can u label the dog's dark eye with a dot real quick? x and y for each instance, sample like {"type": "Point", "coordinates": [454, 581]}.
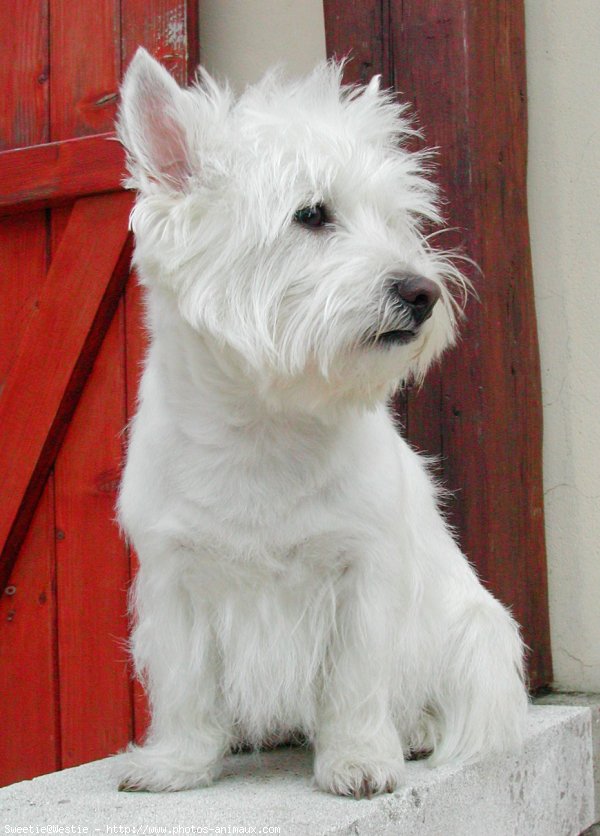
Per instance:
{"type": "Point", "coordinates": [312, 217]}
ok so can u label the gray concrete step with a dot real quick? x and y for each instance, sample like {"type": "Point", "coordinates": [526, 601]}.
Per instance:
{"type": "Point", "coordinates": [546, 791]}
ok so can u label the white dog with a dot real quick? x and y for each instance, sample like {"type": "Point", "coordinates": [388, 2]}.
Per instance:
{"type": "Point", "coordinates": [296, 575]}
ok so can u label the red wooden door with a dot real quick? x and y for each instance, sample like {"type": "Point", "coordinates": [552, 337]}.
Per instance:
{"type": "Point", "coordinates": [70, 349]}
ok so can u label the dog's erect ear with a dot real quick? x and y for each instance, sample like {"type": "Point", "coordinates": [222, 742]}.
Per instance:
{"type": "Point", "coordinates": [373, 87]}
{"type": "Point", "coordinates": [151, 125]}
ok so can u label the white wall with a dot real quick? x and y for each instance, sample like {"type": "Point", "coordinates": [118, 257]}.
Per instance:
{"type": "Point", "coordinates": [240, 38]}
{"type": "Point", "coordinates": [563, 65]}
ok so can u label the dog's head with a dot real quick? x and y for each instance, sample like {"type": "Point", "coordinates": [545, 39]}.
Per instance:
{"type": "Point", "coordinates": [289, 225]}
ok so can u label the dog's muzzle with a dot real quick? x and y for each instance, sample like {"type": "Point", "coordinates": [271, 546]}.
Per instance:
{"type": "Point", "coordinates": [415, 297]}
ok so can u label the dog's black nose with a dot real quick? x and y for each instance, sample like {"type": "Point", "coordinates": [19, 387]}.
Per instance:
{"type": "Point", "coordinates": [418, 294]}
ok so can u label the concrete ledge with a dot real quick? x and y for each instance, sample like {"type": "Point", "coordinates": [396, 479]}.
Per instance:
{"type": "Point", "coordinates": [593, 702]}
{"type": "Point", "coordinates": [547, 791]}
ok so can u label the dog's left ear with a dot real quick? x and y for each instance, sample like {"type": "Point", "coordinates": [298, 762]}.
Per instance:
{"type": "Point", "coordinates": [373, 87]}
{"type": "Point", "coordinates": [151, 125]}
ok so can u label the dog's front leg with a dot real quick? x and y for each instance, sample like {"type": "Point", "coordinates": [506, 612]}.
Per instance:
{"type": "Point", "coordinates": [357, 748]}
{"type": "Point", "coordinates": [174, 654]}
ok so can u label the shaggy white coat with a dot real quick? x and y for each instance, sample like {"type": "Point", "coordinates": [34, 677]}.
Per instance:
{"type": "Point", "coordinates": [295, 572]}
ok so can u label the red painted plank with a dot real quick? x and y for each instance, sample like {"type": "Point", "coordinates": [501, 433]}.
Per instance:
{"type": "Point", "coordinates": [92, 557]}
{"type": "Point", "coordinates": [167, 28]}
{"type": "Point", "coordinates": [84, 46]}
{"type": "Point", "coordinates": [28, 682]}
{"type": "Point", "coordinates": [23, 259]}
{"type": "Point", "coordinates": [27, 670]}
{"type": "Point", "coordinates": [28, 696]}
{"type": "Point", "coordinates": [83, 284]}
{"type": "Point", "coordinates": [357, 31]}
{"type": "Point", "coordinates": [93, 567]}
{"type": "Point", "coordinates": [23, 73]}
{"type": "Point", "coordinates": [23, 120]}
{"type": "Point", "coordinates": [85, 76]}
{"type": "Point", "coordinates": [59, 172]}
{"type": "Point", "coordinates": [87, 52]}
{"type": "Point", "coordinates": [490, 402]}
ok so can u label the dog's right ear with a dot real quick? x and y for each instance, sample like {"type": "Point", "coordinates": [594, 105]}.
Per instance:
{"type": "Point", "coordinates": [151, 125]}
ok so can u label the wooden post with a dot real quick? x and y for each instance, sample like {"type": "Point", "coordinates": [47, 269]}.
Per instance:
{"type": "Point", "coordinates": [462, 65]}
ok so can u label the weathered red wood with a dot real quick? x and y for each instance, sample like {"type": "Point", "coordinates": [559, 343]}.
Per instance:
{"type": "Point", "coordinates": [23, 121]}
{"type": "Point", "coordinates": [59, 172]}
{"type": "Point", "coordinates": [55, 355]}
{"type": "Point", "coordinates": [28, 680]}
{"type": "Point", "coordinates": [88, 45]}
{"type": "Point", "coordinates": [462, 65]}
{"type": "Point", "coordinates": [84, 49]}
{"type": "Point", "coordinates": [167, 28]}
{"type": "Point", "coordinates": [358, 32]}
{"type": "Point", "coordinates": [93, 566]}
{"type": "Point", "coordinates": [24, 73]}
{"type": "Point", "coordinates": [23, 268]}
{"type": "Point", "coordinates": [490, 400]}
{"type": "Point", "coordinates": [91, 556]}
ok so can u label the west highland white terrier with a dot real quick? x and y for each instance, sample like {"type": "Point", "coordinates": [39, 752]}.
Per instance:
{"type": "Point", "coordinates": [296, 575]}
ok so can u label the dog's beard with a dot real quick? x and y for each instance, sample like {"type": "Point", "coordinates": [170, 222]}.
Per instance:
{"type": "Point", "coordinates": [397, 328]}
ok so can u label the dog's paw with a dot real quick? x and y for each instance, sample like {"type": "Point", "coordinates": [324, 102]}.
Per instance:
{"type": "Point", "coordinates": [152, 769]}
{"type": "Point", "coordinates": [361, 777]}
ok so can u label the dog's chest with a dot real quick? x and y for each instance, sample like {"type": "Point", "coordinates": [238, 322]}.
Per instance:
{"type": "Point", "coordinates": [272, 620]}
{"type": "Point", "coordinates": [261, 491]}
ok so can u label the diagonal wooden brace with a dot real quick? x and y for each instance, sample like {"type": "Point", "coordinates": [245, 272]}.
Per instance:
{"type": "Point", "coordinates": [77, 302]}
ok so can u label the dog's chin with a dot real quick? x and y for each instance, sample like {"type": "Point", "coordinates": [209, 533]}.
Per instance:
{"type": "Point", "coordinates": [360, 378]}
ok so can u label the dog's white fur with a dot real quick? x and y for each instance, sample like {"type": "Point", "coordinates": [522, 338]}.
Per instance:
{"type": "Point", "coordinates": [295, 572]}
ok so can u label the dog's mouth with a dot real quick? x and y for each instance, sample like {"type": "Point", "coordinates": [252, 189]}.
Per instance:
{"type": "Point", "coordinates": [396, 337]}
